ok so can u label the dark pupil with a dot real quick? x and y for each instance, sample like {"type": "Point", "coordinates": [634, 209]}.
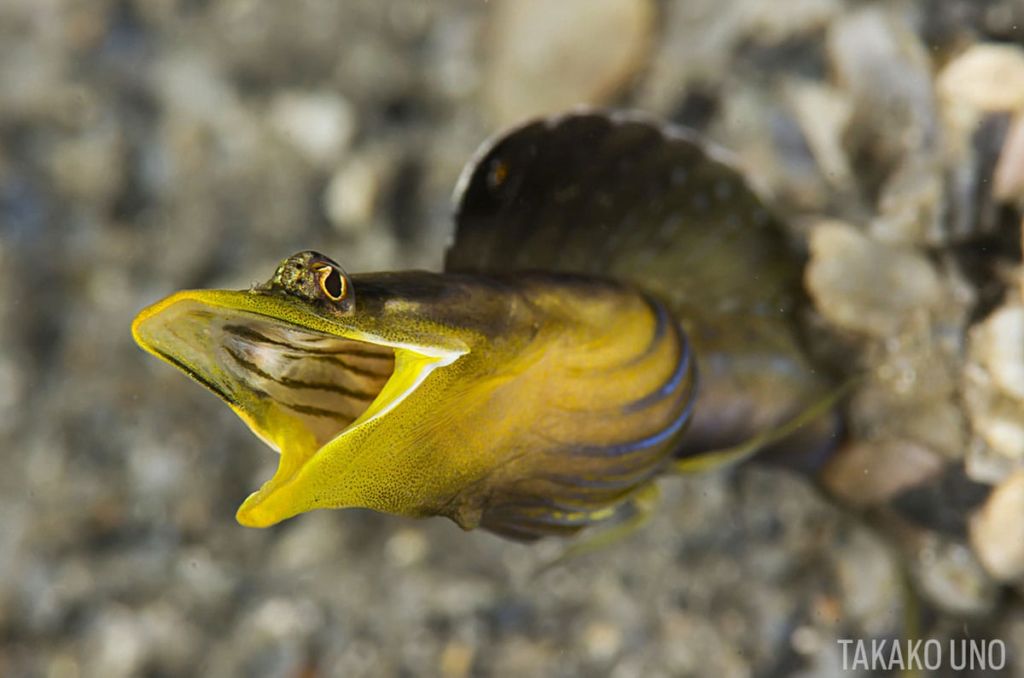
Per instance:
{"type": "Point", "coordinates": [332, 283]}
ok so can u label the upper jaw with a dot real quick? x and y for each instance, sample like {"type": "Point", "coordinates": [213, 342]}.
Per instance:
{"type": "Point", "coordinates": [281, 309]}
{"type": "Point", "coordinates": [249, 349]}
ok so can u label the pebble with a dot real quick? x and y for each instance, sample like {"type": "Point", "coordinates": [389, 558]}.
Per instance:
{"type": "Point", "coordinates": [870, 582]}
{"type": "Point", "coordinates": [824, 112]}
{"type": "Point", "coordinates": [994, 381]}
{"type": "Point", "coordinates": [320, 125]}
{"type": "Point", "coordinates": [951, 577]}
{"type": "Point", "coordinates": [90, 167]}
{"type": "Point", "coordinates": [882, 64]}
{"type": "Point", "coordinates": [1001, 425]}
{"type": "Point", "coordinates": [279, 618]}
{"type": "Point", "coordinates": [997, 530]}
{"type": "Point", "coordinates": [865, 474]}
{"type": "Point", "coordinates": [979, 171]}
{"type": "Point", "coordinates": [205, 577]}
{"type": "Point", "coordinates": [928, 413]}
{"type": "Point", "coordinates": [866, 286]}
{"type": "Point", "coordinates": [306, 543]}
{"type": "Point", "coordinates": [1008, 181]}
{"type": "Point", "coordinates": [116, 644]}
{"type": "Point", "coordinates": [602, 640]}
{"type": "Point", "coordinates": [910, 205]}
{"type": "Point", "coordinates": [999, 342]}
{"type": "Point", "coordinates": [806, 640]}
{"type": "Point", "coordinates": [352, 194]}
{"type": "Point", "coordinates": [456, 659]}
{"type": "Point", "coordinates": [801, 16]}
{"type": "Point", "coordinates": [546, 57]}
{"type": "Point", "coordinates": [985, 465]}
{"type": "Point", "coordinates": [407, 547]}
{"type": "Point", "coordinates": [987, 77]}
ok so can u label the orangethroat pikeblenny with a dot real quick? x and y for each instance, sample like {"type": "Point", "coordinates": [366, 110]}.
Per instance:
{"type": "Point", "coordinates": [617, 304]}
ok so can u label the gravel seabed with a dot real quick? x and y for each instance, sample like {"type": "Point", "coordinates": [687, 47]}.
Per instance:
{"type": "Point", "coordinates": [157, 145]}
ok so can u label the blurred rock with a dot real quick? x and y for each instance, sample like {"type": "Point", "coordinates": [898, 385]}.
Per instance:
{"type": "Point", "coordinates": [12, 390]}
{"type": "Point", "coordinates": [372, 252]}
{"type": "Point", "coordinates": [824, 112]}
{"type": "Point", "coordinates": [997, 530]}
{"type": "Point", "coordinates": [306, 544]}
{"type": "Point", "coordinates": [800, 16]}
{"type": "Point", "coordinates": [994, 381]}
{"type": "Point", "coordinates": [1008, 182]}
{"type": "Point", "coordinates": [546, 57]}
{"type": "Point", "coordinates": [319, 125]}
{"type": "Point", "coordinates": [910, 204]}
{"type": "Point", "coordinates": [407, 547]}
{"type": "Point", "coordinates": [895, 130]}
{"type": "Point", "coordinates": [865, 286]}
{"type": "Point", "coordinates": [988, 77]}
{"type": "Point", "coordinates": [204, 577]}
{"type": "Point", "coordinates": [602, 640]}
{"type": "Point", "coordinates": [1000, 423]}
{"type": "Point", "coordinates": [951, 577]}
{"type": "Point", "coordinates": [118, 644]}
{"type": "Point", "coordinates": [173, 637]}
{"type": "Point", "coordinates": [865, 474]}
{"type": "Point", "coordinates": [884, 68]}
{"type": "Point", "coordinates": [90, 167]}
{"type": "Point", "coordinates": [870, 583]}
{"type": "Point", "coordinates": [976, 152]}
{"type": "Point", "coordinates": [352, 194]}
{"type": "Point", "coordinates": [456, 660]}
{"type": "Point", "coordinates": [919, 408]}
{"type": "Point", "coordinates": [770, 142]}
{"type": "Point", "coordinates": [279, 618]}
{"type": "Point", "coordinates": [999, 344]}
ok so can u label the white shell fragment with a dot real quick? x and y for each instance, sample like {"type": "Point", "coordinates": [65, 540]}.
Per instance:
{"type": "Point", "coordinates": [997, 531]}
{"type": "Point", "coordinates": [987, 77]}
{"type": "Point", "coordinates": [994, 381]}
{"type": "Point", "coordinates": [1001, 347]}
{"type": "Point", "coordinates": [867, 286]}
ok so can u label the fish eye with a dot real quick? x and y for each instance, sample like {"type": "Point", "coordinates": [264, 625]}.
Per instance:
{"type": "Point", "coordinates": [332, 283]}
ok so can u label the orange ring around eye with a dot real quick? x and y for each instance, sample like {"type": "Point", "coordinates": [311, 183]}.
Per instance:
{"type": "Point", "coordinates": [324, 272]}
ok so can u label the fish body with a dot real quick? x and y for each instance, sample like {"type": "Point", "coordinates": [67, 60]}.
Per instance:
{"type": "Point", "coordinates": [616, 298]}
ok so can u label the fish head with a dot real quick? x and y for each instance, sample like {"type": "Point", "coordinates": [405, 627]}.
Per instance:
{"type": "Point", "coordinates": [349, 378]}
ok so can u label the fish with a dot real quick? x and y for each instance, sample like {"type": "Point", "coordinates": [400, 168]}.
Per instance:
{"type": "Point", "coordinates": [617, 304]}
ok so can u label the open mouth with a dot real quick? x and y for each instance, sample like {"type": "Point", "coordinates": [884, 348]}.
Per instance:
{"type": "Point", "coordinates": [297, 388]}
{"type": "Point", "coordinates": [323, 383]}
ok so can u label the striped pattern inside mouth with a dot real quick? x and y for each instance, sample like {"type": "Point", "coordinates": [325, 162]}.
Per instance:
{"type": "Point", "coordinates": [326, 382]}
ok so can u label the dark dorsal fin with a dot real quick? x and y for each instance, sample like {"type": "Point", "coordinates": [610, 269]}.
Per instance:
{"type": "Point", "coordinates": [621, 196]}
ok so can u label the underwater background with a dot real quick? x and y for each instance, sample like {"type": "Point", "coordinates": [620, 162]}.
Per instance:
{"type": "Point", "coordinates": [156, 145]}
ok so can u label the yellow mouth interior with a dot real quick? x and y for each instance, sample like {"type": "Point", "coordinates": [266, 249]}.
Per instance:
{"type": "Point", "coordinates": [301, 390]}
{"type": "Point", "coordinates": [324, 383]}
{"type": "Point", "coordinates": [294, 387]}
